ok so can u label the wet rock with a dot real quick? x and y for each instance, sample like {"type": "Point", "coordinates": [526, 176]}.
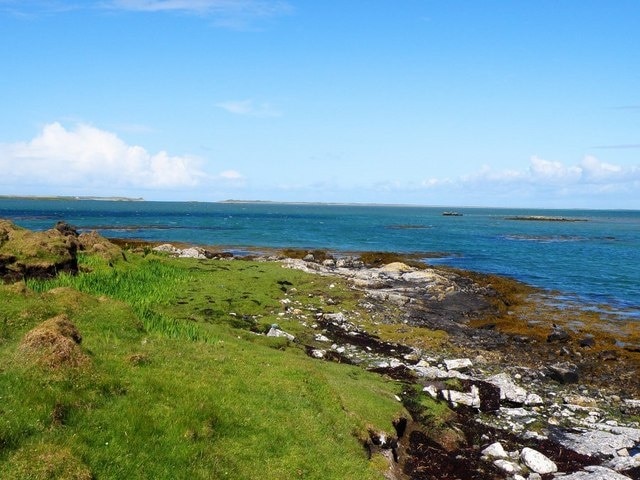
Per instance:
{"type": "Point", "coordinates": [588, 341]}
{"type": "Point", "coordinates": [558, 335]}
{"type": "Point", "coordinates": [537, 461]}
{"type": "Point", "coordinates": [564, 372]}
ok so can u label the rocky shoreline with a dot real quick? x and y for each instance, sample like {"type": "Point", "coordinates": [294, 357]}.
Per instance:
{"type": "Point", "coordinates": [528, 398]}
{"type": "Point", "coordinates": [522, 408]}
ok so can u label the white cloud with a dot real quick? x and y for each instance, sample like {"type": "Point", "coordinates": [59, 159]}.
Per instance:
{"type": "Point", "coordinates": [232, 175]}
{"type": "Point", "coordinates": [87, 156]}
{"type": "Point", "coordinates": [249, 108]}
{"type": "Point", "coordinates": [590, 183]}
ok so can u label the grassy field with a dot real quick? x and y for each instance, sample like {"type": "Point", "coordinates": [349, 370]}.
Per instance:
{"type": "Point", "coordinates": [174, 378]}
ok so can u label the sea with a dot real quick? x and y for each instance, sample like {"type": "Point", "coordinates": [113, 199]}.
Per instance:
{"type": "Point", "coordinates": [589, 258]}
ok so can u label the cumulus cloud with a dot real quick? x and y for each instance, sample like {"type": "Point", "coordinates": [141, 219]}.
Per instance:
{"type": "Point", "coordinates": [249, 108]}
{"type": "Point", "coordinates": [545, 180]}
{"type": "Point", "coordinates": [88, 156]}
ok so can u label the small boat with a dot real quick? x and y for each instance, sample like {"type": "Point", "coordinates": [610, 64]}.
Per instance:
{"type": "Point", "coordinates": [452, 214]}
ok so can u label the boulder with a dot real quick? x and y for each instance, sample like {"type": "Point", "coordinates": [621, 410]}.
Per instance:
{"type": "Point", "coordinates": [537, 461]}
{"type": "Point", "coordinates": [564, 372]}
{"type": "Point", "coordinates": [508, 389]}
{"type": "Point", "coordinates": [495, 450]}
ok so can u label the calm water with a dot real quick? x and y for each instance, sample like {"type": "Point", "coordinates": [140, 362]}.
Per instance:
{"type": "Point", "coordinates": [596, 261]}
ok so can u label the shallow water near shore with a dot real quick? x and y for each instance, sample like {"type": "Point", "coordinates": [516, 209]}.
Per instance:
{"type": "Point", "coordinates": [585, 258]}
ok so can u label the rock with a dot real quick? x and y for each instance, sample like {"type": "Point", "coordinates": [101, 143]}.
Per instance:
{"type": "Point", "coordinates": [588, 341]}
{"type": "Point", "coordinates": [275, 331]}
{"type": "Point", "coordinates": [631, 407]}
{"type": "Point", "coordinates": [458, 364]}
{"type": "Point", "coordinates": [318, 353]}
{"type": "Point", "coordinates": [321, 338]}
{"type": "Point", "coordinates": [166, 248]}
{"type": "Point", "coordinates": [558, 335]}
{"type": "Point", "coordinates": [595, 473]}
{"type": "Point", "coordinates": [495, 450]}
{"type": "Point", "coordinates": [471, 399]}
{"type": "Point", "coordinates": [603, 440]}
{"type": "Point", "coordinates": [533, 400]}
{"type": "Point", "coordinates": [508, 389]}
{"type": "Point", "coordinates": [622, 463]}
{"type": "Point", "coordinates": [329, 263]}
{"type": "Point", "coordinates": [66, 229]}
{"type": "Point", "coordinates": [507, 466]}
{"type": "Point", "coordinates": [537, 461]}
{"type": "Point", "coordinates": [309, 258]}
{"type": "Point", "coordinates": [564, 372]}
{"type": "Point", "coordinates": [192, 252]}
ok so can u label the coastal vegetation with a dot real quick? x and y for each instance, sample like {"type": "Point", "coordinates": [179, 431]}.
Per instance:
{"type": "Point", "coordinates": [152, 367]}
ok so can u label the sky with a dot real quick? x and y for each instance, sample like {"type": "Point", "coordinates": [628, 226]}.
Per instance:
{"type": "Point", "coordinates": [529, 103]}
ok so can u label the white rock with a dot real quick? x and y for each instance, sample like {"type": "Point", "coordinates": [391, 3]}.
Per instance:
{"type": "Point", "coordinates": [431, 390]}
{"type": "Point", "coordinates": [537, 461]}
{"type": "Point", "coordinates": [595, 473]}
{"type": "Point", "coordinates": [192, 253]}
{"type": "Point", "coordinates": [469, 399]}
{"type": "Point", "coordinates": [508, 389]}
{"type": "Point", "coordinates": [321, 338]}
{"type": "Point", "coordinates": [275, 331]}
{"type": "Point", "coordinates": [533, 399]}
{"type": "Point", "coordinates": [507, 466]}
{"type": "Point", "coordinates": [495, 450]}
{"type": "Point", "coordinates": [458, 364]}
{"type": "Point", "coordinates": [318, 353]}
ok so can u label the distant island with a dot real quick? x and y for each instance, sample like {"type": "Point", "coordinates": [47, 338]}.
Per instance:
{"type": "Point", "coordinates": [72, 197]}
{"type": "Point", "coordinates": [543, 218]}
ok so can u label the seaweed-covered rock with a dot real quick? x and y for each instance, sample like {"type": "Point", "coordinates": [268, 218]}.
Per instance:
{"type": "Point", "coordinates": [26, 254]}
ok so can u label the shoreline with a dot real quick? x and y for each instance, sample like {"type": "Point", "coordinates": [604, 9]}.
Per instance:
{"type": "Point", "coordinates": [482, 346]}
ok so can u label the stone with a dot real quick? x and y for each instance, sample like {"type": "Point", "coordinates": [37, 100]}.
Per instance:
{"type": "Point", "coordinates": [507, 466]}
{"type": "Point", "coordinates": [458, 364]}
{"type": "Point", "coordinates": [533, 400]}
{"type": "Point", "coordinates": [598, 442]}
{"type": "Point", "coordinates": [495, 450]}
{"type": "Point", "coordinates": [508, 389]}
{"type": "Point", "coordinates": [595, 472]}
{"type": "Point", "coordinates": [564, 372]}
{"type": "Point", "coordinates": [558, 335]}
{"type": "Point", "coordinates": [321, 338]}
{"type": "Point", "coordinates": [318, 353]}
{"type": "Point", "coordinates": [275, 331]}
{"type": "Point", "coordinates": [588, 341]}
{"type": "Point", "coordinates": [192, 252]}
{"type": "Point", "coordinates": [537, 461]}
{"type": "Point", "coordinates": [631, 407]}
{"type": "Point", "coordinates": [471, 399]}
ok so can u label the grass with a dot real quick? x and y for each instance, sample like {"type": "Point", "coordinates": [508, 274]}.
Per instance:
{"type": "Point", "coordinates": [178, 383]}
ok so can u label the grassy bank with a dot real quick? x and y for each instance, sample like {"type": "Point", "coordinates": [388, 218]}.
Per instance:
{"type": "Point", "coordinates": [174, 379]}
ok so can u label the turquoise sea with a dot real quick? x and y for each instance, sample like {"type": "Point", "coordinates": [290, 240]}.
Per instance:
{"type": "Point", "coordinates": [593, 262]}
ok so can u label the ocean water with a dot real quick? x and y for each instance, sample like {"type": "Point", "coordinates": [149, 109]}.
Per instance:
{"type": "Point", "coordinates": [594, 261]}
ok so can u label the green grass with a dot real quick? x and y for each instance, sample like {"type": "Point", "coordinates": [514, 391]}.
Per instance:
{"type": "Point", "coordinates": [177, 387]}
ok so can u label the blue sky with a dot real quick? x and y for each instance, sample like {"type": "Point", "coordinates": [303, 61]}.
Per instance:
{"type": "Point", "coordinates": [532, 103]}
